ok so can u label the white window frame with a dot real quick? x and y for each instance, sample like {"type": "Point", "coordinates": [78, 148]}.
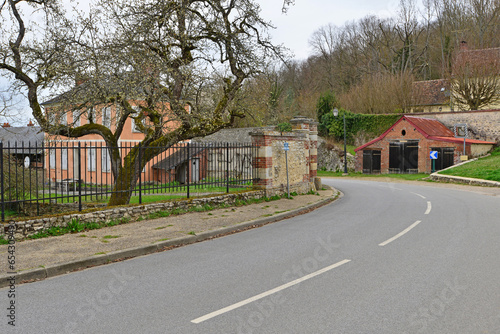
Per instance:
{"type": "Point", "coordinates": [106, 117]}
{"type": "Point", "coordinates": [52, 157]}
{"type": "Point", "coordinates": [91, 159]}
{"type": "Point", "coordinates": [105, 160]}
{"type": "Point", "coordinates": [135, 114]}
{"type": "Point", "coordinates": [52, 117]}
{"type": "Point", "coordinates": [63, 118]}
{"type": "Point", "coordinates": [76, 118]}
{"type": "Point", "coordinates": [90, 115]}
{"type": "Point", "coordinates": [64, 158]}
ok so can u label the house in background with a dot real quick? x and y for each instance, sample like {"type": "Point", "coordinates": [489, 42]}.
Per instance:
{"type": "Point", "coordinates": [24, 144]}
{"type": "Point", "coordinates": [405, 148]}
{"type": "Point", "coordinates": [86, 157]}
{"type": "Point", "coordinates": [440, 96]}
{"type": "Point", "coordinates": [432, 96]}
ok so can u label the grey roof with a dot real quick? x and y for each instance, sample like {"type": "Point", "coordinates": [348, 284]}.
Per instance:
{"type": "Point", "coordinates": [96, 88]}
{"type": "Point", "coordinates": [232, 135]}
{"type": "Point", "coordinates": [23, 136]}
{"type": "Point", "coordinates": [178, 157]}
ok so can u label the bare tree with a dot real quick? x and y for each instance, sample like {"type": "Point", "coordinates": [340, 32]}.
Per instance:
{"type": "Point", "coordinates": [484, 21]}
{"type": "Point", "coordinates": [161, 54]}
{"type": "Point", "coordinates": [380, 93]}
{"type": "Point", "coordinates": [475, 81]}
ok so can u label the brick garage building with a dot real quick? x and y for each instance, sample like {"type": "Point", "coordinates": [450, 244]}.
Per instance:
{"type": "Point", "coordinates": [405, 148]}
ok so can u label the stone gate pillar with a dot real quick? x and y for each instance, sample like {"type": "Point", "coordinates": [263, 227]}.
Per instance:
{"type": "Point", "coordinates": [309, 127]}
{"type": "Point", "coordinates": [269, 161]}
{"type": "Point", "coordinates": [263, 159]}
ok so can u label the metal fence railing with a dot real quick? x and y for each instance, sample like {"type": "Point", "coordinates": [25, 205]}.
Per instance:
{"type": "Point", "coordinates": [73, 175]}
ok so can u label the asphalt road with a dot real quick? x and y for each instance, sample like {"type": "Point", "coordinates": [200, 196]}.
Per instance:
{"type": "Point", "coordinates": [386, 258]}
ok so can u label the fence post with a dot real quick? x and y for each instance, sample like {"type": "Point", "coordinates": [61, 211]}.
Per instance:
{"type": "Point", "coordinates": [188, 175]}
{"type": "Point", "coordinates": [227, 168]}
{"type": "Point", "coordinates": [37, 181]}
{"type": "Point", "coordinates": [79, 176]}
{"type": "Point", "coordinates": [1, 180]}
{"type": "Point", "coordinates": [140, 176]}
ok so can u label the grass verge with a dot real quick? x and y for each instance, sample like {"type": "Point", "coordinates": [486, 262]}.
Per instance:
{"type": "Point", "coordinates": [487, 168]}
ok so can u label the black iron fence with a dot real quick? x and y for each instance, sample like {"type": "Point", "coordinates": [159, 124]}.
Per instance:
{"type": "Point", "coordinates": [73, 175]}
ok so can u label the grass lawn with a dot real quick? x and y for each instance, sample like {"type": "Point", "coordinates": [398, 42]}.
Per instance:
{"type": "Point", "coordinates": [487, 168]}
{"type": "Point", "coordinates": [153, 198]}
{"type": "Point", "coordinates": [410, 177]}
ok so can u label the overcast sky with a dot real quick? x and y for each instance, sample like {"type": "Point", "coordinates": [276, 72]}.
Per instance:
{"type": "Point", "coordinates": [294, 28]}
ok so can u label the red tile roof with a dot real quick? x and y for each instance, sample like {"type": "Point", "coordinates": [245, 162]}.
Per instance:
{"type": "Point", "coordinates": [484, 56]}
{"type": "Point", "coordinates": [431, 92]}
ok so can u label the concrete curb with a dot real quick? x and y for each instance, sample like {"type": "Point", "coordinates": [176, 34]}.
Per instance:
{"type": "Point", "coordinates": [67, 267]}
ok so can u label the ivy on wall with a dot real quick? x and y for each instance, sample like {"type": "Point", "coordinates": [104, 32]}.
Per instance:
{"type": "Point", "coordinates": [371, 125]}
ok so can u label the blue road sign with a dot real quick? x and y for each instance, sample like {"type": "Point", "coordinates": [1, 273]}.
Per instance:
{"type": "Point", "coordinates": [286, 147]}
{"type": "Point", "coordinates": [433, 155]}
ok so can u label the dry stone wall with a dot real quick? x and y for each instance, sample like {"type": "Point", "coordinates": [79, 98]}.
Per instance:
{"type": "Point", "coordinates": [32, 226]}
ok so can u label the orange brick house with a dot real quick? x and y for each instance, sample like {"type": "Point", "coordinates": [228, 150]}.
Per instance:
{"type": "Point", "coordinates": [406, 145]}
{"type": "Point", "coordinates": [92, 164]}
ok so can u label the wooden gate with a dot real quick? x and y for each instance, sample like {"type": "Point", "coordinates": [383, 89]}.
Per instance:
{"type": "Point", "coordinates": [371, 161]}
{"type": "Point", "coordinates": [445, 157]}
{"type": "Point", "coordinates": [403, 157]}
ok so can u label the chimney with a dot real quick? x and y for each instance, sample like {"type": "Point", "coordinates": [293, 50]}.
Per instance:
{"type": "Point", "coordinates": [6, 125]}
{"type": "Point", "coordinates": [31, 123]}
{"type": "Point", "coordinates": [464, 46]}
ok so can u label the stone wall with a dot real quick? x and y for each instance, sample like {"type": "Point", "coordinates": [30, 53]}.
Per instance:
{"type": "Point", "coordinates": [270, 160]}
{"type": "Point", "coordinates": [483, 124]}
{"type": "Point", "coordinates": [30, 227]}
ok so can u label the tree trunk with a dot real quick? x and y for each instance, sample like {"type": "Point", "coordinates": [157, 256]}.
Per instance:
{"type": "Point", "coordinates": [125, 181]}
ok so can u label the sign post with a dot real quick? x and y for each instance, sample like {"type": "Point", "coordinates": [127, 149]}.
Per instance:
{"type": "Point", "coordinates": [287, 148]}
{"type": "Point", "coordinates": [433, 155]}
{"type": "Point", "coordinates": [461, 131]}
